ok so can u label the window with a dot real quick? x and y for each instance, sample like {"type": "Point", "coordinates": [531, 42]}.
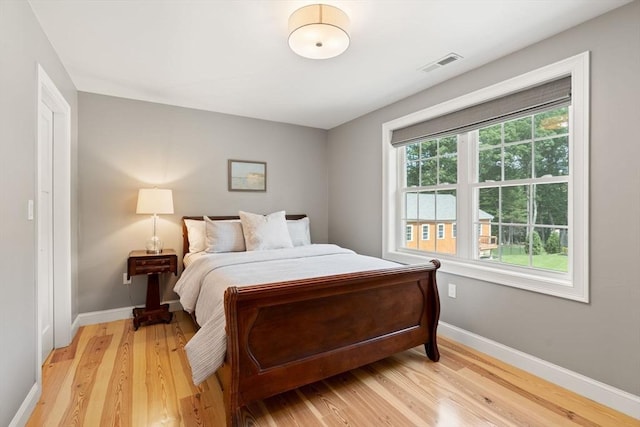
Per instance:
{"type": "Point", "coordinates": [425, 231]}
{"type": "Point", "coordinates": [507, 165]}
{"type": "Point", "coordinates": [409, 231]}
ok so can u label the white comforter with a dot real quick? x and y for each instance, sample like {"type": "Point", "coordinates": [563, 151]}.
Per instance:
{"type": "Point", "coordinates": [201, 288]}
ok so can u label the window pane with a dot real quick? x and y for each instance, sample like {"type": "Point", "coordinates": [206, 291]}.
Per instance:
{"type": "Point", "coordinates": [413, 174]}
{"type": "Point", "coordinates": [515, 204]}
{"type": "Point", "coordinates": [517, 161]}
{"type": "Point", "coordinates": [517, 130]}
{"type": "Point", "coordinates": [430, 149]}
{"type": "Point", "coordinates": [488, 204]}
{"type": "Point", "coordinates": [412, 151]}
{"type": "Point", "coordinates": [551, 204]}
{"type": "Point", "coordinates": [445, 217]}
{"type": "Point", "coordinates": [490, 165]}
{"type": "Point", "coordinates": [487, 237]}
{"type": "Point", "coordinates": [429, 169]}
{"type": "Point", "coordinates": [513, 245]}
{"type": "Point", "coordinates": [449, 145]}
{"type": "Point", "coordinates": [448, 169]}
{"type": "Point", "coordinates": [554, 122]}
{"type": "Point", "coordinates": [552, 157]}
{"type": "Point", "coordinates": [491, 135]}
{"type": "Point", "coordinates": [550, 255]}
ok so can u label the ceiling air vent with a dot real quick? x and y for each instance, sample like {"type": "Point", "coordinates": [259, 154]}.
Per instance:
{"type": "Point", "coordinates": [441, 62]}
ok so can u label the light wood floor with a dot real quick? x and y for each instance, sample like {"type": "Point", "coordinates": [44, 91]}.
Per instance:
{"type": "Point", "coordinates": [114, 376]}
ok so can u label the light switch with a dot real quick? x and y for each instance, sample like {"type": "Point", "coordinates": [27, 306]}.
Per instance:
{"type": "Point", "coordinates": [30, 210]}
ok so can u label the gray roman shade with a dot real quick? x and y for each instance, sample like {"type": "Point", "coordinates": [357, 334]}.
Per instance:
{"type": "Point", "coordinates": [548, 95]}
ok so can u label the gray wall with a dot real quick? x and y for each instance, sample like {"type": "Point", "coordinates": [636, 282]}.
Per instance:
{"type": "Point", "coordinates": [22, 46]}
{"type": "Point", "coordinates": [600, 339]}
{"type": "Point", "coordinates": [126, 145]}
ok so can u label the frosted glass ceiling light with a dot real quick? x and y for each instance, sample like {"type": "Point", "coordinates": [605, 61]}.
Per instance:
{"type": "Point", "coordinates": [318, 31]}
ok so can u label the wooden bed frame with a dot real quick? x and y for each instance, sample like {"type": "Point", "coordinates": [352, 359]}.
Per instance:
{"type": "Point", "coordinates": [281, 336]}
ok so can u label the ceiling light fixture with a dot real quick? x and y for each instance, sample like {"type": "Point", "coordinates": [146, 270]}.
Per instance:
{"type": "Point", "coordinates": [318, 31]}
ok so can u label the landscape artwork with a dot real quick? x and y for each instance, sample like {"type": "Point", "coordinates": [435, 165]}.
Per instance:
{"type": "Point", "coordinates": [247, 175]}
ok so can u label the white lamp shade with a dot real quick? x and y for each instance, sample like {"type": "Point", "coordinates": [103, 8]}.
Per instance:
{"type": "Point", "coordinates": [318, 31]}
{"type": "Point", "coordinates": [154, 201]}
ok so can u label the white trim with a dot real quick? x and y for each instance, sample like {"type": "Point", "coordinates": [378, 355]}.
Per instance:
{"type": "Point", "coordinates": [26, 408]}
{"type": "Point", "coordinates": [49, 95]}
{"type": "Point", "coordinates": [605, 394]}
{"type": "Point", "coordinates": [551, 283]}
{"type": "Point", "coordinates": [104, 316]}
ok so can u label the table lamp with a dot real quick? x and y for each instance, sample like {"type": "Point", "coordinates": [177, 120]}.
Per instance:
{"type": "Point", "coordinates": [154, 201]}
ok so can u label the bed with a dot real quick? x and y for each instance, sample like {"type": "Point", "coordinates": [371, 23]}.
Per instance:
{"type": "Point", "coordinates": [280, 334]}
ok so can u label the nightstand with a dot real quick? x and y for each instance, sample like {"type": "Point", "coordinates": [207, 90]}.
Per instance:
{"type": "Point", "coordinates": [140, 262]}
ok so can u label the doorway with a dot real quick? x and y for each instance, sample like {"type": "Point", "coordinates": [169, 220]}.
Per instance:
{"type": "Point", "coordinates": [53, 220]}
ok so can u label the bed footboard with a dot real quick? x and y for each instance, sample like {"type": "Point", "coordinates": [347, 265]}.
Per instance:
{"type": "Point", "coordinates": [284, 335]}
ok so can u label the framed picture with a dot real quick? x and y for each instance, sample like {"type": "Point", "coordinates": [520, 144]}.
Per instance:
{"type": "Point", "coordinates": [247, 175]}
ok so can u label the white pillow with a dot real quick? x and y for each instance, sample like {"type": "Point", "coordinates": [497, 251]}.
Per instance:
{"type": "Point", "coordinates": [196, 235]}
{"type": "Point", "coordinates": [224, 236]}
{"type": "Point", "coordinates": [299, 231]}
{"type": "Point", "coordinates": [263, 232]}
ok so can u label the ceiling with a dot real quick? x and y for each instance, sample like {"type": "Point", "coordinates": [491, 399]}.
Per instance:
{"type": "Point", "coordinates": [232, 56]}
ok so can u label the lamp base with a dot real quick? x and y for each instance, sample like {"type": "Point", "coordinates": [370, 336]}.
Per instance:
{"type": "Point", "coordinates": [154, 245]}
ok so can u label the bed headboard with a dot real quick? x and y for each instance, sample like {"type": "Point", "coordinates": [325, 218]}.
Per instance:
{"type": "Point", "coordinates": [185, 235]}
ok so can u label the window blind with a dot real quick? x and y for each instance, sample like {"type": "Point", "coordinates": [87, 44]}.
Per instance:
{"type": "Point", "coordinates": [556, 93]}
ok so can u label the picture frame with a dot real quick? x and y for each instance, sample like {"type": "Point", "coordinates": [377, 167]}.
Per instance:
{"type": "Point", "coordinates": [247, 175]}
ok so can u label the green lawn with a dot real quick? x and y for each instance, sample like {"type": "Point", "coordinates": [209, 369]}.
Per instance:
{"type": "Point", "coordinates": [516, 256]}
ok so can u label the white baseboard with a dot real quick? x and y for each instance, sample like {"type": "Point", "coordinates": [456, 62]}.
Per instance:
{"type": "Point", "coordinates": [114, 314]}
{"type": "Point", "coordinates": [28, 405]}
{"type": "Point", "coordinates": [607, 395]}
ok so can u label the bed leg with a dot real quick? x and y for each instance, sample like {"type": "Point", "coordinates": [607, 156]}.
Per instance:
{"type": "Point", "coordinates": [431, 348]}
{"type": "Point", "coordinates": [433, 301]}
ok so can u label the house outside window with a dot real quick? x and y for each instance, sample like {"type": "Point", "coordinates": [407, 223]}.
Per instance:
{"type": "Point", "coordinates": [516, 186]}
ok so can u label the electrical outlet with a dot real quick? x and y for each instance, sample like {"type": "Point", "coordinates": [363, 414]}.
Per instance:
{"type": "Point", "coordinates": [125, 280]}
{"type": "Point", "coordinates": [452, 290]}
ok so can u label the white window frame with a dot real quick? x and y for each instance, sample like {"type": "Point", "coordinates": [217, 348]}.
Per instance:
{"type": "Point", "coordinates": [454, 230]}
{"type": "Point", "coordinates": [440, 235]}
{"type": "Point", "coordinates": [573, 285]}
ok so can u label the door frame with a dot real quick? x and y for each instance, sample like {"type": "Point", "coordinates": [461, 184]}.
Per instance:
{"type": "Point", "coordinates": [49, 95]}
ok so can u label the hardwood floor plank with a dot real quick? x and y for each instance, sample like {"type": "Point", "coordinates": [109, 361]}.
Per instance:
{"type": "Point", "coordinates": [116, 410]}
{"type": "Point", "coordinates": [114, 376]}
{"type": "Point", "coordinates": [332, 408]}
{"type": "Point", "coordinates": [445, 391]}
{"type": "Point", "coordinates": [194, 413]}
{"type": "Point", "coordinates": [560, 400]}
{"type": "Point", "coordinates": [53, 376]}
{"type": "Point", "coordinates": [289, 409]}
{"type": "Point", "coordinates": [162, 404]}
{"type": "Point", "coordinates": [84, 379]}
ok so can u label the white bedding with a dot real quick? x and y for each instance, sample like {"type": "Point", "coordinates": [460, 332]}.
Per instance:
{"type": "Point", "coordinates": [202, 285]}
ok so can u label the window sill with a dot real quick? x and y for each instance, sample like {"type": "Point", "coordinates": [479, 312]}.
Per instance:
{"type": "Point", "coordinates": [535, 281]}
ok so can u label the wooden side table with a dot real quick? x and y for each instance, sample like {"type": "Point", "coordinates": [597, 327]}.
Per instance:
{"type": "Point", "coordinates": [140, 262]}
